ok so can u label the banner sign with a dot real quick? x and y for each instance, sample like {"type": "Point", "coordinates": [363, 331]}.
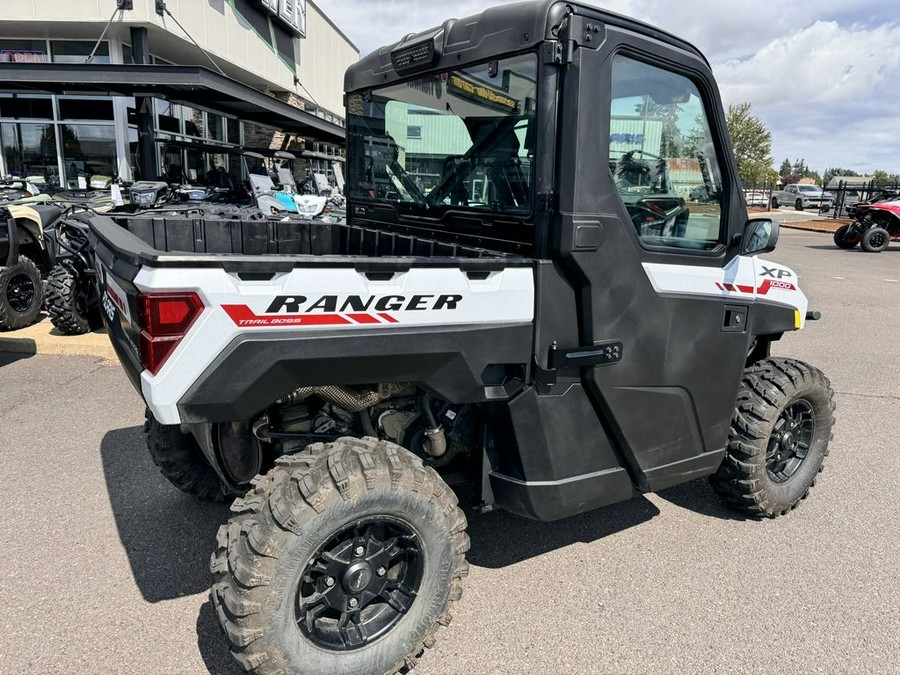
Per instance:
{"type": "Point", "coordinates": [290, 14]}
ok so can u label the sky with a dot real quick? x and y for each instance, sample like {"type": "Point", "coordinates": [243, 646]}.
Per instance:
{"type": "Point", "coordinates": [823, 76]}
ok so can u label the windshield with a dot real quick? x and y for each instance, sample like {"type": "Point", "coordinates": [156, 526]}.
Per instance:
{"type": "Point", "coordinates": [460, 140]}
{"type": "Point", "coordinates": [808, 188]}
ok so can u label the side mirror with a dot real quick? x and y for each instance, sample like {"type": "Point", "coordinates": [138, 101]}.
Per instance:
{"type": "Point", "coordinates": [760, 236]}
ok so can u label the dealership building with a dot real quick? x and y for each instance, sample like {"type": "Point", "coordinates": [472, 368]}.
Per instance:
{"type": "Point", "coordinates": [230, 49]}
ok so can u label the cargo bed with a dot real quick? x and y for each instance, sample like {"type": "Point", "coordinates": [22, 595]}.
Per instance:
{"type": "Point", "coordinates": [279, 304]}
{"type": "Point", "coordinates": [254, 237]}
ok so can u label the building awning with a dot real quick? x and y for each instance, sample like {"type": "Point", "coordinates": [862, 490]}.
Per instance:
{"type": "Point", "coordinates": [192, 85]}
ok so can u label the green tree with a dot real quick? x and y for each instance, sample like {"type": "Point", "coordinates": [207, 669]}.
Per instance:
{"type": "Point", "coordinates": [786, 169]}
{"type": "Point", "coordinates": [668, 113]}
{"type": "Point", "coordinates": [752, 143]}
{"type": "Point", "coordinates": [881, 177]}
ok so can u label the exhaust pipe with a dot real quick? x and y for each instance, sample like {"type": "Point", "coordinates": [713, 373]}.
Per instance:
{"type": "Point", "coordinates": [346, 398]}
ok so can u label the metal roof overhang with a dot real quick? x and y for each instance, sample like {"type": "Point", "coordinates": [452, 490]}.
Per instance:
{"type": "Point", "coordinates": [192, 85]}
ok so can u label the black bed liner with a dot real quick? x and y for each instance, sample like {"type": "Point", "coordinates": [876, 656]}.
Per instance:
{"type": "Point", "coordinates": [278, 246]}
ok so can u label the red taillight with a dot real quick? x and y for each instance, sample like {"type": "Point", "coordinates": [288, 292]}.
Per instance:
{"type": "Point", "coordinates": [164, 319]}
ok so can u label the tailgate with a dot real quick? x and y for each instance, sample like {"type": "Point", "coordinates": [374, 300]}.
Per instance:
{"type": "Point", "coordinates": [273, 323]}
{"type": "Point", "coordinates": [117, 259]}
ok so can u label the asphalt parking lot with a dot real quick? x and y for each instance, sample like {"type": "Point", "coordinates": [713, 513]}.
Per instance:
{"type": "Point", "coordinates": [104, 565]}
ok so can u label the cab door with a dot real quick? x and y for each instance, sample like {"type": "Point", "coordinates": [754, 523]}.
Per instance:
{"type": "Point", "coordinates": [649, 209]}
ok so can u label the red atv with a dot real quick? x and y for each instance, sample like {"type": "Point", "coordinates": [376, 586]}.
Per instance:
{"type": "Point", "coordinates": [874, 225]}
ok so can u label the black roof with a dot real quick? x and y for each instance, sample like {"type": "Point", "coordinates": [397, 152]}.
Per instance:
{"type": "Point", "coordinates": [498, 30]}
{"type": "Point", "coordinates": [193, 85]}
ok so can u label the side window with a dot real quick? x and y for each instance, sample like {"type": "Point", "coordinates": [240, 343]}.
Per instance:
{"type": "Point", "coordinates": [662, 157]}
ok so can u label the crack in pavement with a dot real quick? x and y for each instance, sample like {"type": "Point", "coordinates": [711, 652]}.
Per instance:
{"type": "Point", "coordinates": [893, 397]}
{"type": "Point", "coordinates": [59, 388]}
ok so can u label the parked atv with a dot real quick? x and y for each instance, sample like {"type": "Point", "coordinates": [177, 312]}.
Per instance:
{"type": "Point", "coordinates": [27, 253]}
{"type": "Point", "coordinates": [71, 295]}
{"type": "Point", "coordinates": [71, 298]}
{"type": "Point", "coordinates": [875, 224]}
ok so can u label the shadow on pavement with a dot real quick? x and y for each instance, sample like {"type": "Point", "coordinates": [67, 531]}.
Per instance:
{"type": "Point", "coordinates": [857, 250]}
{"type": "Point", "coordinates": [168, 536]}
{"type": "Point", "coordinates": [500, 538]}
{"type": "Point", "coordinates": [212, 646]}
{"type": "Point", "coordinates": [7, 358]}
{"type": "Point", "coordinates": [698, 496]}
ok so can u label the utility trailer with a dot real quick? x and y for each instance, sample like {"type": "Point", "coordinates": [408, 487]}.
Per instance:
{"type": "Point", "coordinates": [542, 295]}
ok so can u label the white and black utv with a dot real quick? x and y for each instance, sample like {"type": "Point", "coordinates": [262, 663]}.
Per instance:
{"type": "Point", "coordinates": [547, 295]}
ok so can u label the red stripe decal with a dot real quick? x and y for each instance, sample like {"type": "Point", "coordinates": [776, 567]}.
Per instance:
{"type": "Point", "coordinates": [244, 317]}
{"type": "Point", "coordinates": [388, 318]}
{"type": "Point", "coordinates": [364, 318]}
{"type": "Point", "coordinates": [734, 288]}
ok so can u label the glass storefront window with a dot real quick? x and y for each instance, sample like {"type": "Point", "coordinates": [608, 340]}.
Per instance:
{"type": "Point", "coordinates": [195, 169]}
{"type": "Point", "coordinates": [133, 153]}
{"type": "Point", "coordinates": [89, 150]}
{"type": "Point", "coordinates": [215, 126]}
{"type": "Point", "coordinates": [168, 116]}
{"type": "Point", "coordinates": [85, 108]}
{"type": "Point", "coordinates": [172, 168]}
{"type": "Point", "coordinates": [23, 51]}
{"type": "Point", "coordinates": [30, 150]}
{"type": "Point", "coordinates": [193, 122]}
{"type": "Point", "coordinates": [234, 131]}
{"type": "Point", "coordinates": [77, 51]}
{"type": "Point", "coordinates": [15, 106]}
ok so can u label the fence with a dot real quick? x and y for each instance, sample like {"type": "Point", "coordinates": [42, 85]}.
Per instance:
{"type": "Point", "coordinates": [846, 194]}
{"type": "Point", "coordinates": [759, 195]}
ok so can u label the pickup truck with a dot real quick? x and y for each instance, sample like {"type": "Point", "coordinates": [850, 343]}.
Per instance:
{"type": "Point", "coordinates": [803, 197]}
{"type": "Point", "coordinates": [520, 306]}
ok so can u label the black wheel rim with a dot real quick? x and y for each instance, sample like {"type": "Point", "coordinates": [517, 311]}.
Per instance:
{"type": "Point", "coordinates": [790, 440]}
{"type": "Point", "coordinates": [877, 239]}
{"type": "Point", "coordinates": [359, 584]}
{"type": "Point", "coordinates": [20, 293]}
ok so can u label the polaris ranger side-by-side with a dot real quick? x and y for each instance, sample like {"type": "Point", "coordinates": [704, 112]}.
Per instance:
{"type": "Point", "coordinates": [547, 291]}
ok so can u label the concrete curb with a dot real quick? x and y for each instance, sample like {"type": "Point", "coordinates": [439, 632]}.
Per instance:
{"type": "Point", "coordinates": [43, 339]}
{"type": "Point", "coordinates": [798, 226]}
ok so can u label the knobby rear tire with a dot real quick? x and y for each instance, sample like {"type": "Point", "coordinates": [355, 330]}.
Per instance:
{"type": "Point", "coordinates": [290, 512]}
{"type": "Point", "coordinates": [67, 304]}
{"type": "Point", "coordinates": [844, 238]}
{"type": "Point", "coordinates": [180, 460]}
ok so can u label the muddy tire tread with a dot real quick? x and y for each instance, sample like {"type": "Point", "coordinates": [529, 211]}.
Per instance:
{"type": "Point", "coordinates": [765, 388]}
{"type": "Point", "coordinates": [283, 502]}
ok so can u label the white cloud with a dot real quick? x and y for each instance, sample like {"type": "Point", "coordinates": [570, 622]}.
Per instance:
{"type": "Point", "coordinates": [828, 93]}
{"type": "Point", "coordinates": [821, 75]}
